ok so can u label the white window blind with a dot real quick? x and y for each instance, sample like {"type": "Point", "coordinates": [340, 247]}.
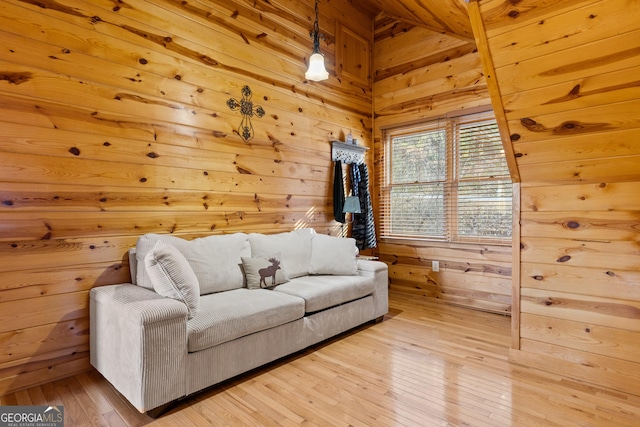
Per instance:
{"type": "Point", "coordinates": [447, 180]}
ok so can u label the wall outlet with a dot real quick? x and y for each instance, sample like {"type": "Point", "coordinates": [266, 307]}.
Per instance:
{"type": "Point", "coordinates": [435, 265]}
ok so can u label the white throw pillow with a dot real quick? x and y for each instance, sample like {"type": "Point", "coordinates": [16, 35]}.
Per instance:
{"type": "Point", "coordinates": [172, 276]}
{"type": "Point", "coordinates": [264, 272]}
{"type": "Point", "coordinates": [333, 255]}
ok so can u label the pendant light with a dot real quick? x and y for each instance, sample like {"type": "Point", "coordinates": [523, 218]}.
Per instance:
{"type": "Point", "coordinates": [316, 71]}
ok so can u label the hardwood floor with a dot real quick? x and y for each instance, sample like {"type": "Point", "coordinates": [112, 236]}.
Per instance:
{"type": "Point", "coordinates": [427, 364]}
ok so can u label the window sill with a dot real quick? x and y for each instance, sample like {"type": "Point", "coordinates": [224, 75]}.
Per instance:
{"type": "Point", "coordinates": [441, 243]}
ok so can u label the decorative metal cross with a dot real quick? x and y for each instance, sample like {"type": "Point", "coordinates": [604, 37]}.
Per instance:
{"type": "Point", "coordinates": [245, 130]}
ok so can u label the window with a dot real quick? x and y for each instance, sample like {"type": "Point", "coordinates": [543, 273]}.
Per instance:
{"type": "Point", "coordinates": [447, 180]}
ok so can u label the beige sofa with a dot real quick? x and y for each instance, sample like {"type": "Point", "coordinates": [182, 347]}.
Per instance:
{"type": "Point", "coordinates": [198, 313]}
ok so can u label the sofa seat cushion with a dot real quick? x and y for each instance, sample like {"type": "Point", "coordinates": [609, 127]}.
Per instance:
{"type": "Point", "coordinates": [321, 292]}
{"type": "Point", "coordinates": [225, 316]}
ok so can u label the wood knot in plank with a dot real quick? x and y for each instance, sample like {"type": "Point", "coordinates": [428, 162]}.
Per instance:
{"type": "Point", "coordinates": [575, 127]}
{"type": "Point", "coordinates": [575, 92]}
{"type": "Point", "coordinates": [15, 78]}
{"type": "Point", "coordinates": [532, 125]}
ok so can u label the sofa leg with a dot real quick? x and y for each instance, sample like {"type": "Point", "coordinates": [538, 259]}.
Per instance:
{"type": "Point", "coordinates": [378, 319]}
{"type": "Point", "coordinates": [161, 410]}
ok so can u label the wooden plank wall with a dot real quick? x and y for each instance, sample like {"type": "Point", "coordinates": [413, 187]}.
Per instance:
{"type": "Point", "coordinates": [568, 73]}
{"type": "Point", "coordinates": [421, 75]}
{"type": "Point", "coordinates": [114, 123]}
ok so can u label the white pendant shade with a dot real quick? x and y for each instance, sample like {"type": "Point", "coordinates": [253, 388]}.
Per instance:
{"type": "Point", "coordinates": [316, 71]}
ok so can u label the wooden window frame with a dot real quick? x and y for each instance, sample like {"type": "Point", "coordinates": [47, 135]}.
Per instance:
{"type": "Point", "coordinates": [451, 127]}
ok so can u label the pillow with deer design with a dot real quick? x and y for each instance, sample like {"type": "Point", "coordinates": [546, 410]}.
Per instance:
{"type": "Point", "coordinates": [264, 272]}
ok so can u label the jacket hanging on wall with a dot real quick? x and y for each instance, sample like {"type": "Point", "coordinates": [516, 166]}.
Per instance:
{"type": "Point", "coordinates": [338, 192]}
{"type": "Point", "coordinates": [363, 230]}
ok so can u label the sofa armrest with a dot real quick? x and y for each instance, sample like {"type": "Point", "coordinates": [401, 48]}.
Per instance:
{"type": "Point", "coordinates": [372, 266]}
{"type": "Point", "coordinates": [139, 343]}
{"type": "Point", "coordinates": [380, 273]}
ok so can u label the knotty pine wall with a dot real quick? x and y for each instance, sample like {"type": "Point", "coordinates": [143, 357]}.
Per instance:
{"type": "Point", "coordinates": [567, 74]}
{"type": "Point", "coordinates": [422, 75]}
{"type": "Point", "coordinates": [114, 123]}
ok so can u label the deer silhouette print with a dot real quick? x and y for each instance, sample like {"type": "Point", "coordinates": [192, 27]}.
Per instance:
{"type": "Point", "coordinates": [269, 272]}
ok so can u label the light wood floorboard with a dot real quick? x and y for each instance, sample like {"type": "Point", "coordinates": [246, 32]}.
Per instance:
{"type": "Point", "coordinates": [426, 364]}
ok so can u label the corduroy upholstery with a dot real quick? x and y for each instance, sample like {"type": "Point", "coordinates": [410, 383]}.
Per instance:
{"type": "Point", "coordinates": [228, 315]}
{"type": "Point", "coordinates": [146, 346]}
{"type": "Point", "coordinates": [322, 292]}
{"type": "Point", "coordinates": [139, 343]}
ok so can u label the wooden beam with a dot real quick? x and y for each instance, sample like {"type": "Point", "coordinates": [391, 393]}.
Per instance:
{"type": "Point", "coordinates": [494, 90]}
{"type": "Point", "coordinates": [515, 269]}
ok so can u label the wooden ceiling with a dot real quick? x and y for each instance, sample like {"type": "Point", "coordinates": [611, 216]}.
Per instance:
{"type": "Point", "coordinates": [444, 16]}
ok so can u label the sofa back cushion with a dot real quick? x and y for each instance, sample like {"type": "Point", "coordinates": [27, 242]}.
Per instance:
{"type": "Point", "coordinates": [294, 248]}
{"type": "Point", "coordinates": [215, 260]}
{"type": "Point", "coordinates": [333, 255]}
